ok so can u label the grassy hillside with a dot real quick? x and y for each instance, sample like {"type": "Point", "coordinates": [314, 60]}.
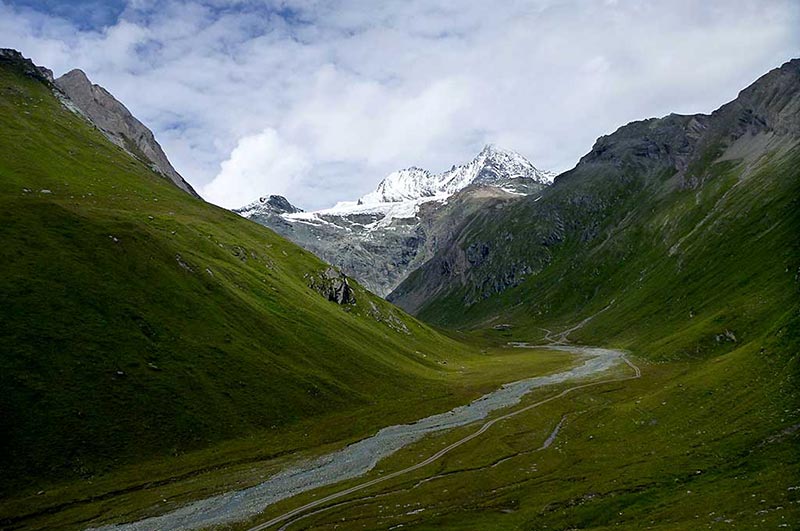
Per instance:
{"type": "Point", "coordinates": [143, 328]}
{"type": "Point", "coordinates": [673, 269]}
{"type": "Point", "coordinates": [682, 228]}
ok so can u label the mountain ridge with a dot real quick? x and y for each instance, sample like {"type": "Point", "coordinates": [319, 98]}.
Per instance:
{"type": "Point", "coordinates": [99, 107]}
{"type": "Point", "coordinates": [493, 166]}
{"type": "Point", "coordinates": [118, 124]}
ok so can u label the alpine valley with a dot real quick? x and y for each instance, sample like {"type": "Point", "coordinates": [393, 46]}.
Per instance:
{"type": "Point", "coordinates": [490, 347]}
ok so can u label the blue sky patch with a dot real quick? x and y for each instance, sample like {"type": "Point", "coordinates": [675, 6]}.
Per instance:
{"type": "Point", "coordinates": [84, 14]}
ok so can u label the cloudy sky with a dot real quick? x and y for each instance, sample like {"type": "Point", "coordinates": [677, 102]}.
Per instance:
{"type": "Point", "coordinates": [318, 99]}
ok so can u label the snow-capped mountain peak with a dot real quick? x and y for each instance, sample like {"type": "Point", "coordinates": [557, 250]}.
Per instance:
{"type": "Point", "coordinates": [386, 234]}
{"type": "Point", "coordinates": [273, 204]}
{"type": "Point", "coordinates": [493, 167]}
{"type": "Point", "coordinates": [402, 185]}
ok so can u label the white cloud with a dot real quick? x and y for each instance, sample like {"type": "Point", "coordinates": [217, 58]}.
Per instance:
{"type": "Point", "coordinates": [347, 118]}
{"type": "Point", "coordinates": [261, 161]}
{"type": "Point", "coordinates": [350, 90]}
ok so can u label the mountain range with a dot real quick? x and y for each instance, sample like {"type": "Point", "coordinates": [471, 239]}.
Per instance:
{"type": "Point", "coordinates": [380, 238]}
{"type": "Point", "coordinates": [148, 334]}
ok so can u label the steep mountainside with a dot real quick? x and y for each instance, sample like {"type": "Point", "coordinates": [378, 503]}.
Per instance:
{"type": "Point", "coordinates": [715, 191]}
{"type": "Point", "coordinates": [147, 334]}
{"type": "Point", "coordinates": [96, 105]}
{"type": "Point", "coordinates": [382, 237]}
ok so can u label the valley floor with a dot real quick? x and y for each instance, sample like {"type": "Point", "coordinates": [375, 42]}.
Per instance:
{"type": "Point", "coordinates": [359, 458]}
{"type": "Point", "coordinates": [603, 360]}
{"type": "Point", "coordinates": [649, 445]}
{"type": "Point", "coordinates": [689, 445]}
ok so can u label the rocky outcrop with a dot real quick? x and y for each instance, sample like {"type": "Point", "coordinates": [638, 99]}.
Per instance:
{"type": "Point", "coordinates": [333, 285]}
{"type": "Point", "coordinates": [389, 318]}
{"type": "Point", "coordinates": [117, 123]}
{"type": "Point", "coordinates": [26, 66]}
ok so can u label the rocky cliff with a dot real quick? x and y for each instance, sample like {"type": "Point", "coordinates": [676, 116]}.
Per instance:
{"type": "Point", "coordinates": [118, 124]}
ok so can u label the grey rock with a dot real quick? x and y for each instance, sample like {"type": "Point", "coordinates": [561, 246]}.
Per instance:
{"type": "Point", "coordinates": [333, 285]}
{"type": "Point", "coordinates": [389, 318]}
{"type": "Point", "coordinates": [117, 123]}
{"type": "Point", "coordinates": [726, 337]}
{"type": "Point", "coordinates": [183, 264]}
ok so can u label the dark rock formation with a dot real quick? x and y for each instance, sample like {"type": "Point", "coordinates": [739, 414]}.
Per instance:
{"type": "Point", "coordinates": [333, 285]}
{"type": "Point", "coordinates": [25, 65]}
{"type": "Point", "coordinates": [279, 205]}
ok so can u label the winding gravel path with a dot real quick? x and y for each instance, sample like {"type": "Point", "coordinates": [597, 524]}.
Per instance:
{"type": "Point", "coordinates": [359, 458]}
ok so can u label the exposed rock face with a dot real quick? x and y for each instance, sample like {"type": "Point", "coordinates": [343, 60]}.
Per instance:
{"type": "Point", "coordinates": [771, 106]}
{"type": "Point", "coordinates": [333, 285]}
{"type": "Point", "coordinates": [279, 205]}
{"type": "Point", "coordinates": [273, 205]}
{"type": "Point", "coordinates": [626, 176]}
{"type": "Point", "coordinates": [385, 235]}
{"type": "Point", "coordinates": [118, 124]}
{"type": "Point", "coordinates": [390, 319]}
{"type": "Point", "coordinates": [7, 55]}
